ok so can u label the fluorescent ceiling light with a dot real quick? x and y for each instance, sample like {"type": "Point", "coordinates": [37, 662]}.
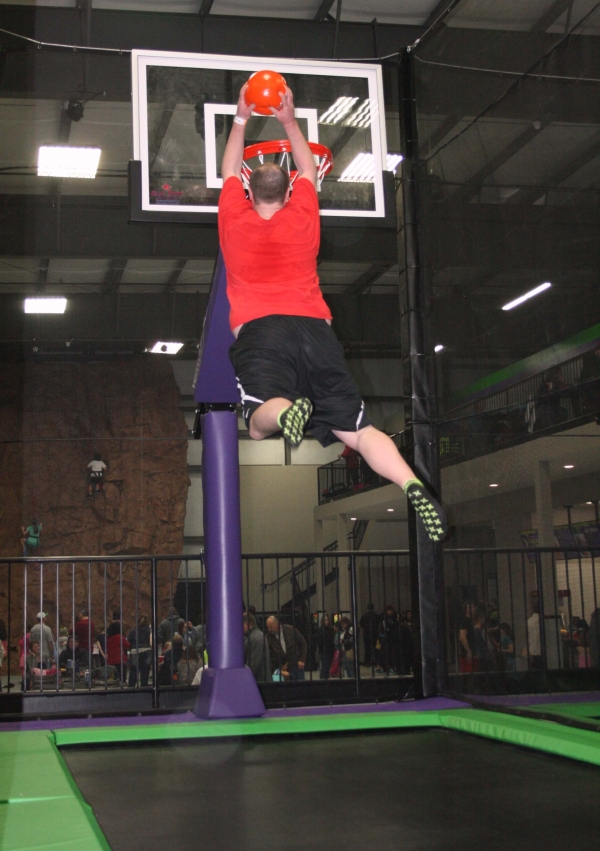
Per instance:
{"type": "Point", "coordinates": [337, 111]}
{"type": "Point", "coordinates": [530, 294]}
{"type": "Point", "coordinates": [569, 466]}
{"type": "Point", "coordinates": [362, 168]}
{"type": "Point", "coordinates": [163, 348]}
{"type": "Point", "coordinates": [45, 305]}
{"type": "Point", "coordinates": [66, 161]}
{"type": "Point", "coordinates": [354, 518]}
{"type": "Point", "coordinates": [438, 348]}
{"type": "Point", "coordinates": [390, 509]}
{"type": "Point", "coordinates": [493, 486]}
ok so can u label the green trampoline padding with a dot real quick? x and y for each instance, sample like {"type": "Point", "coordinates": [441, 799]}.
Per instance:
{"type": "Point", "coordinates": [41, 808]}
{"type": "Point", "coordinates": [570, 710]}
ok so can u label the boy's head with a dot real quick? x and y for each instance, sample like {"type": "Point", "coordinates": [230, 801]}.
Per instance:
{"type": "Point", "coordinates": [269, 184]}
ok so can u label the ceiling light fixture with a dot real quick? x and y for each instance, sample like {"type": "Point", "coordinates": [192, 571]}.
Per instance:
{"type": "Point", "coordinates": [493, 486]}
{"type": "Point", "coordinates": [390, 509]}
{"type": "Point", "coordinates": [337, 111]}
{"type": "Point", "coordinates": [569, 466]}
{"type": "Point", "coordinates": [45, 305]}
{"type": "Point", "coordinates": [353, 518]}
{"type": "Point", "coordinates": [67, 161]}
{"type": "Point", "coordinates": [526, 296]}
{"type": "Point", "coordinates": [438, 348]}
{"type": "Point", "coordinates": [362, 168]}
{"type": "Point", "coordinates": [163, 348]}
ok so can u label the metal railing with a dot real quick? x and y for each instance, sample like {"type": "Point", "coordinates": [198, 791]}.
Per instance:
{"type": "Point", "coordinates": [530, 408]}
{"type": "Point", "coordinates": [342, 478]}
{"type": "Point", "coordinates": [127, 627]}
{"type": "Point", "coordinates": [523, 619]}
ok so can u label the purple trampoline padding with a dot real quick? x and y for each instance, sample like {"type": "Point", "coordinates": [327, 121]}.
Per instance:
{"type": "Point", "coordinates": [215, 379]}
{"type": "Point", "coordinates": [535, 699]}
{"type": "Point", "coordinates": [432, 704]}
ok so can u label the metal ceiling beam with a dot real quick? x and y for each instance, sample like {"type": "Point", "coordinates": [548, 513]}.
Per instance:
{"type": "Point", "coordinates": [551, 16]}
{"type": "Point", "coordinates": [175, 275]}
{"type": "Point", "coordinates": [439, 134]}
{"type": "Point", "coordinates": [364, 281]}
{"type": "Point", "coordinates": [206, 7]}
{"type": "Point", "coordinates": [323, 11]}
{"type": "Point", "coordinates": [114, 275]}
{"type": "Point", "coordinates": [470, 189]}
{"type": "Point", "coordinates": [437, 11]}
{"type": "Point", "coordinates": [530, 196]}
{"type": "Point", "coordinates": [43, 274]}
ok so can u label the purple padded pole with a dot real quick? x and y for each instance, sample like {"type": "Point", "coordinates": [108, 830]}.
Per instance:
{"type": "Point", "coordinates": [227, 689]}
{"type": "Point", "coordinates": [222, 539]}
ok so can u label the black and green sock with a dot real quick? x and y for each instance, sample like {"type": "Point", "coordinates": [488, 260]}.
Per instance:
{"type": "Point", "coordinates": [428, 508]}
{"type": "Point", "coordinates": [293, 420]}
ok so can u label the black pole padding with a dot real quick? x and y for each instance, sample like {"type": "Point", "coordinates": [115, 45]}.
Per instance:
{"type": "Point", "coordinates": [427, 578]}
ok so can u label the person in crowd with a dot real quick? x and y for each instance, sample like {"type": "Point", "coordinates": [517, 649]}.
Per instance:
{"type": "Point", "coordinates": [352, 459]}
{"type": "Point", "coordinates": [115, 627]}
{"type": "Point", "coordinates": [326, 646]}
{"type": "Point", "coordinates": [533, 649]}
{"type": "Point", "coordinates": [407, 649]}
{"type": "Point", "coordinates": [3, 645]}
{"type": "Point", "coordinates": [140, 652]}
{"type": "Point", "coordinates": [188, 632]}
{"type": "Point", "coordinates": [256, 650]}
{"type": "Point", "coordinates": [346, 640]}
{"type": "Point", "coordinates": [36, 661]}
{"type": "Point", "coordinates": [287, 647]}
{"type": "Point", "coordinates": [116, 649]}
{"type": "Point", "coordinates": [188, 665]}
{"type": "Point", "coordinates": [589, 379]}
{"type": "Point", "coordinates": [482, 645]}
{"type": "Point", "coordinates": [168, 627]}
{"type": "Point", "coordinates": [549, 410]}
{"type": "Point", "coordinates": [42, 633]}
{"type": "Point", "coordinates": [594, 638]}
{"type": "Point", "coordinates": [369, 623]}
{"type": "Point", "coordinates": [96, 469]}
{"type": "Point", "coordinates": [85, 631]}
{"type": "Point", "coordinates": [390, 640]}
{"type": "Point", "coordinates": [507, 646]}
{"type": "Point", "coordinates": [466, 640]}
{"type": "Point", "coordinates": [73, 655]}
{"type": "Point", "coordinates": [98, 655]}
{"type": "Point", "coordinates": [63, 637]}
{"type": "Point", "coordinates": [30, 540]}
{"type": "Point", "coordinates": [171, 658]}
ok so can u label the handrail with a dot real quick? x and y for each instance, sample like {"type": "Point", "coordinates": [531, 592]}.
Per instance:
{"type": "Point", "coordinates": [301, 567]}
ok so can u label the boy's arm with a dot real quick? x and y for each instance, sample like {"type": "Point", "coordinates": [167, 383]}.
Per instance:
{"type": "Point", "coordinates": [233, 157]}
{"type": "Point", "coordinates": [303, 157]}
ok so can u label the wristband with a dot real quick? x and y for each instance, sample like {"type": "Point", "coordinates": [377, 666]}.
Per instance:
{"type": "Point", "coordinates": [239, 120]}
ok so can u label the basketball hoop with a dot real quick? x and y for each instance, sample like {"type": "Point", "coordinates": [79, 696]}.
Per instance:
{"type": "Point", "coordinates": [283, 147]}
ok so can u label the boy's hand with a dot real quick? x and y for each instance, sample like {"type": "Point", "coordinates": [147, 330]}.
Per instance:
{"type": "Point", "coordinates": [243, 109]}
{"type": "Point", "coordinates": [285, 113]}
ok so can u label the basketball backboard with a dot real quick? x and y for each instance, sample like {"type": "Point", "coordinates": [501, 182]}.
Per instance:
{"type": "Point", "coordinates": [183, 106]}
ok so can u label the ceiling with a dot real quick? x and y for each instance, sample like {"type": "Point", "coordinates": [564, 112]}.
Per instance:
{"type": "Point", "coordinates": [495, 169]}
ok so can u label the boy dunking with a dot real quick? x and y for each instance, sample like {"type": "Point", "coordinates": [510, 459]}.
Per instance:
{"type": "Point", "coordinates": [289, 364]}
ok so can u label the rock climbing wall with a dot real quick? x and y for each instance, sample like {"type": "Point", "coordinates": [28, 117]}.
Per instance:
{"type": "Point", "coordinates": [53, 417]}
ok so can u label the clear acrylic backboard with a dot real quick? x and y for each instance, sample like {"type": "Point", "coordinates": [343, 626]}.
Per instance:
{"type": "Point", "coordinates": [183, 106]}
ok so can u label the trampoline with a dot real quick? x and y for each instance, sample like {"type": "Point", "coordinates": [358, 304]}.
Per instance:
{"type": "Point", "coordinates": [432, 775]}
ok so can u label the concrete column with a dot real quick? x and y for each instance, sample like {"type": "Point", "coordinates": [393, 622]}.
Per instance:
{"type": "Point", "coordinates": [344, 527]}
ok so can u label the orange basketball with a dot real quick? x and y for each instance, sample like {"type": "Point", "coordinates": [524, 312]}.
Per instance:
{"type": "Point", "coordinates": [264, 90]}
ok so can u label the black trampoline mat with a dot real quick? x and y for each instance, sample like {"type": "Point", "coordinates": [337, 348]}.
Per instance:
{"type": "Point", "coordinates": [417, 790]}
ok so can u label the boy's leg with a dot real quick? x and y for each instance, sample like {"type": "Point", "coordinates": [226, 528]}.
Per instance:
{"type": "Point", "coordinates": [280, 414]}
{"type": "Point", "coordinates": [381, 454]}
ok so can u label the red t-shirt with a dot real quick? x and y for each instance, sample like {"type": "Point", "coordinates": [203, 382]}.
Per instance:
{"type": "Point", "coordinates": [271, 263]}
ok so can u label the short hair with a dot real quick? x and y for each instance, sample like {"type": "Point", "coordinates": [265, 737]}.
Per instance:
{"type": "Point", "coordinates": [250, 620]}
{"type": "Point", "coordinates": [117, 615]}
{"type": "Point", "coordinates": [269, 183]}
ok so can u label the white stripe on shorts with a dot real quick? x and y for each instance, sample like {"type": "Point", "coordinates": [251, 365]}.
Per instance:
{"type": "Point", "coordinates": [245, 397]}
{"type": "Point", "coordinates": [360, 416]}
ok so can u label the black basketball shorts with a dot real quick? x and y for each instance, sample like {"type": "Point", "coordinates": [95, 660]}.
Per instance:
{"type": "Point", "coordinates": [293, 356]}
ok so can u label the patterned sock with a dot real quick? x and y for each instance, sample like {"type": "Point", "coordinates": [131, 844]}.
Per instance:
{"type": "Point", "coordinates": [428, 508]}
{"type": "Point", "coordinates": [292, 421]}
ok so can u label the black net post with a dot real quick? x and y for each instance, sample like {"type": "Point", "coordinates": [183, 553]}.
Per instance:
{"type": "Point", "coordinates": [427, 582]}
